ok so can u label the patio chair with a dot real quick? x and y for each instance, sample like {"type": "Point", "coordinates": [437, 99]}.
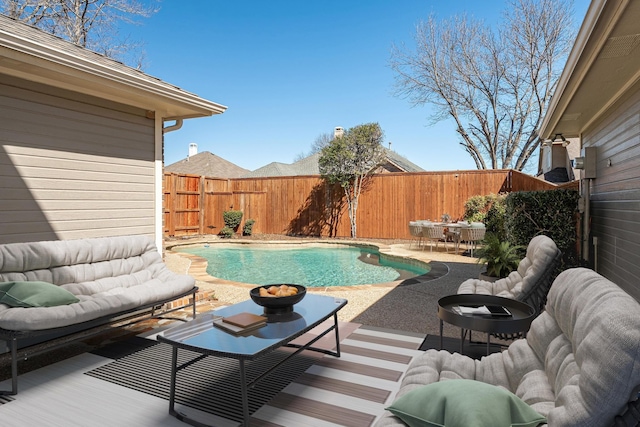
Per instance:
{"type": "Point", "coordinates": [472, 235]}
{"type": "Point", "coordinates": [433, 233]}
{"type": "Point", "coordinates": [415, 230]}
{"type": "Point", "coordinates": [530, 282]}
{"type": "Point", "coordinates": [452, 236]}
{"type": "Point", "coordinates": [453, 233]}
{"type": "Point", "coordinates": [578, 366]}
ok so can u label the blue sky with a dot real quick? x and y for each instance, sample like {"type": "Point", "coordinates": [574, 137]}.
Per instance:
{"type": "Point", "coordinates": [290, 70]}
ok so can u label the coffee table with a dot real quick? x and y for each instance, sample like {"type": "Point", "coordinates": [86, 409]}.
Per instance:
{"type": "Point", "coordinates": [520, 320]}
{"type": "Point", "coordinates": [201, 336]}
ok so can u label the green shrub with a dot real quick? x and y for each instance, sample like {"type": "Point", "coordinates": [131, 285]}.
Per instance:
{"type": "Point", "coordinates": [475, 209]}
{"type": "Point", "coordinates": [496, 217]}
{"type": "Point", "coordinates": [247, 229]}
{"type": "Point", "coordinates": [226, 232]}
{"type": "Point", "coordinates": [488, 209]}
{"type": "Point", "coordinates": [552, 213]}
{"type": "Point", "coordinates": [232, 219]}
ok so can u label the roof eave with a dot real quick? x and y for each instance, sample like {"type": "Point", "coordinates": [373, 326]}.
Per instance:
{"type": "Point", "coordinates": [559, 100]}
{"type": "Point", "coordinates": [37, 62]}
{"type": "Point", "coordinates": [570, 112]}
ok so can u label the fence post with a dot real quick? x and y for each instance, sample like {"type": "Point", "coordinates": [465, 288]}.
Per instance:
{"type": "Point", "coordinates": [172, 205]}
{"type": "Point", "coordinates": [201, 206]}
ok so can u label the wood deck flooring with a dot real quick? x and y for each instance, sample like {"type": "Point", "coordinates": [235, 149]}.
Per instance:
{"type": "Point", "coordinates": [348, 391]}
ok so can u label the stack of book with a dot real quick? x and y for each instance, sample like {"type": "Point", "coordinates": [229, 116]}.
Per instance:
{"type": "Point", "coordinates": [483, 310]}
{"type": "Point", "coordinates": [240, 323]}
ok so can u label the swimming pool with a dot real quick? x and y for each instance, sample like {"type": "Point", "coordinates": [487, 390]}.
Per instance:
{"type": "Point", "coordinates": [308, 266]}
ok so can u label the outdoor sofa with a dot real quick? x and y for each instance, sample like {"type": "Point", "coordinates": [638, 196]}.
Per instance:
{"type": "Point", "coordinates": [65, 288]}
{"type": "Point", "coordinates": [579, 365]}
{"type": "Point", "coordinates": [530, 282]}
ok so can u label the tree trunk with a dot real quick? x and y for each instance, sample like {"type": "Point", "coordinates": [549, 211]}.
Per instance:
{"type": "Point", "coordinates": [352, 205]}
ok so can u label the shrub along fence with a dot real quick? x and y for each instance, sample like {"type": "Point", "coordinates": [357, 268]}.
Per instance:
{"type": "Point", "coordinates": [306, 206]}
{"type": "Point", "coordinates": [553, 213]}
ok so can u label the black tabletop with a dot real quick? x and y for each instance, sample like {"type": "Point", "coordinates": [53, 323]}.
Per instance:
{"type": "Point", "coordinates": [520, 320]}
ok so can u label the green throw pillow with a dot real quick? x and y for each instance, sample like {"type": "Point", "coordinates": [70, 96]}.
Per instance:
{"type": "Point", "coordinates": [34, 294]}
{"type": "Point", "coordinates": [464, 403]}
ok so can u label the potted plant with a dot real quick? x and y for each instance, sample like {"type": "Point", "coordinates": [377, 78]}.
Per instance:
{"type": "Point", "coordinates": [501, 258]}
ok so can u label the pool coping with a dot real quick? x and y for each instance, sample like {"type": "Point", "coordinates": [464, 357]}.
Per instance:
{"type": "Point", "coordinates": [198, 265]}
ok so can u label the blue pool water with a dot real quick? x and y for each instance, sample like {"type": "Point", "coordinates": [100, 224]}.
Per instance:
{"type": "Point", "coordinates": [308, 266]}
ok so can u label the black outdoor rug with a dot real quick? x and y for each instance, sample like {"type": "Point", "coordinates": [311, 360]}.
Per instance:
{"type": "Point", "coordinates": [474, 349]}
{"type": "Point", "coordinates": [123, 348]}
{"type": "Point", "coordinates": [211, 385]}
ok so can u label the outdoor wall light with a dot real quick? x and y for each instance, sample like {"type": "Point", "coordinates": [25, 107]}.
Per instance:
{"type": "Point", "coordinates": [559, 136]}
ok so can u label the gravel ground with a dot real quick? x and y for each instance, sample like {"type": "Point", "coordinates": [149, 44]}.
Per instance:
{"type": "Point", "coordinates": [409, 306]}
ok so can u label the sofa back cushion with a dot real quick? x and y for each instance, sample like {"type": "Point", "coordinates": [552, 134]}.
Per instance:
{"type": "Point", "coordinates": [75, 261]}
{"type": "Point", "coordinates": [588, 340]}
{"type": "Point", "coordinates": [541, 253]}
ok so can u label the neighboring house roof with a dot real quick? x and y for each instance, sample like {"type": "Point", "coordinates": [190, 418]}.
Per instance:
{"type": "Point", "coordinates": [557, 175]}
{"type": "Point", "coordinates": [402, 162]}
{"type": "Point", "coordinates": [306, 166]}
{"type": "Point", "coordinates": [207, 164]}
{"type": "Point", "coordinates": [41, 57]}
{"type": "Point", "coordinates": [309, 166]}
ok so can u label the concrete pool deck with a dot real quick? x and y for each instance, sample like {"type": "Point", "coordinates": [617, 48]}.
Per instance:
{"type": "Point", "coordinates": [408, 305]}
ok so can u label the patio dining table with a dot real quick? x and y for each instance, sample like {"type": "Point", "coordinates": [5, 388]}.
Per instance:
{"type": "Point", "coordinates": [452, 231]}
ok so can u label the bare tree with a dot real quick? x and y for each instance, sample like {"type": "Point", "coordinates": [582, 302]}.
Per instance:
{"type": "Point", "coordinates": [350, 160]}
{"type": "Point", "coordinates": [88, 23]}
{"type": "Point", "coordinates": [494, 84]}
{"type": "Point", "coordinates": [319, 143]}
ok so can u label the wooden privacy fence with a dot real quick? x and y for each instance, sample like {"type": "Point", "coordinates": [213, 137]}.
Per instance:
{"type": "Point", "coordinates": [305, 205]}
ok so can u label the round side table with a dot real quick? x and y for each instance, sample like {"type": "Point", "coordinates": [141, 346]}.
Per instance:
{"type": "Point", "coordinates": [519, 322]}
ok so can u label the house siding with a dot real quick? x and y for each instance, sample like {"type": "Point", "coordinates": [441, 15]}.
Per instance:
{"type": "Point", "coordinates": [71, 169]}
{"type": "Point", "coordinates": [615, 195]}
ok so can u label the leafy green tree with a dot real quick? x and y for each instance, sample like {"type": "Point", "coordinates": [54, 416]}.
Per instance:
{"type": "Point", "coordinates": [350, 160]}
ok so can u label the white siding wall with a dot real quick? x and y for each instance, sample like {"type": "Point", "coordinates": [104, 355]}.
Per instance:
{"type": "Point", "coordinates": [72, 170]}
{"type": "Point", "coordinates": [615, 195]}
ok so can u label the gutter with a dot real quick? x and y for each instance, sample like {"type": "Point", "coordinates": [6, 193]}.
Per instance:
{"type": "Point", "coordinates": [171, 128]}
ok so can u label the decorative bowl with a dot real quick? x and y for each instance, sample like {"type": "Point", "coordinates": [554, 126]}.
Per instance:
{"type": "Point", "coordinates": [277, 304]}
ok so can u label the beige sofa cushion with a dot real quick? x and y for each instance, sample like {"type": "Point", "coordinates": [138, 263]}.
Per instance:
{"type": "Point", "coordinates": [541, 253]}
{"type": "Point", "coordinates": [108, 275]}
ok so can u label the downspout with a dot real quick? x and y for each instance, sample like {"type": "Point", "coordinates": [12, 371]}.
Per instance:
{"type": "Point", "coordinates": [586, 225]}
{"type": "Point", "coordinates": [161, 129]}
{"type": "Point", "coordinates": [158, 182]}
{"type": "Point", "coordinates": [177, 125]}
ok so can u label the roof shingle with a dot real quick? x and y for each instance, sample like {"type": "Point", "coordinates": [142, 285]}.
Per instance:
{"type": "Point", "coordinates": [309, 166]}
{"type": "Point", "coordinates": [207, 164]}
